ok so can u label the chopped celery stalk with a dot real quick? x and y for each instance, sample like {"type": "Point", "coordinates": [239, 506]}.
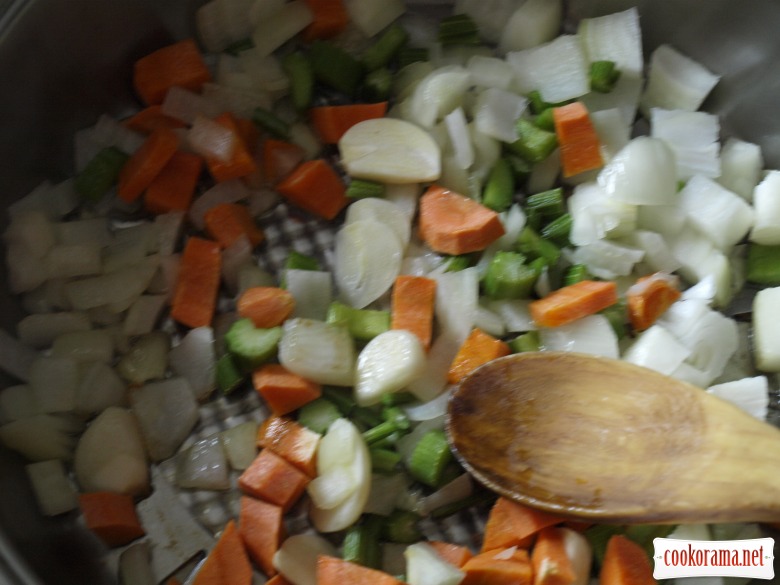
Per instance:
{"type": "Point", "coordinates": [545, 120]}
{"type": "Point", "coordinates": [457, 263]}
{"type": "Point", "coordinates": [240, 45]}
{"type": "Point", "coordinates": [335, 67]}
{"type": "Point", "coordinates": [362, 324]}
{"type": "Point", "coordinates": [529, 341]}
{"type": "Point", "coordinates": [377, 85]}
{"type": "Point", "coordinates": [386, 428]}
{"type": "Point", "coordinates": [458, 29]}
{"type": "Point", "coordinates": [430, 458]}
{"type": "Point", "coordinates": [558, 230]}
{"type": "Point", "coordinates": [617, 316]}
{"type": "Point", "coordinates": [271, 123]}
{"type": "Point", "coordinates": [298, 69]}
{"type": "Point", "coordinates": [533, 143]}
{"type": "Point", "coordinates": [318, 415]}
{"type": "Point", "coordinates": [385, 48]}
{"type": "Point", "coordinates": [534, 246]}
{"type": "Point", "coordinates": [297, 261]}
{"type": "Point", "coordinates": [537, 104]}
{"type": "Point", "coordinates": [549, 204]}
{"type": "Point", "coordinates": [362, 188]}
{"type": "Point", "coordinates": [598, 536]}
{"type": "Point", "coordinates": [409, 55]}
{"type": "Point", "coordinates": [475, 499]}
{"type": "Point", "coordinates": [397, 416]}
{"type": "Point", "coordinates": [100, 173]}
{"type": "Point", "coordinates": [500, 187]}
{"type": "Point", "coordinates": [361, 542]}
{"type": "Point", "coordinates": [367, 418]}
{"type": "Point", "coordinates": [341, 397]}
{"type": "Point", "coordinates": [603, 76]}
{"type": "Point", "coordinates": [389, 442]}
{"type": "Point", "coordinates": [398, 398]}
{"type": "Point", "coordinates": [509, 277]}
{"type": "Point", "coordinates": [229, 376]}
{"type": "Point", "coordinates": [576, 273]}
{"type": "Point", "coordinates": [252, 346]}
{"type": "Point", "coordinates": [402, 526]}
{"type": "Point", "coordinates": [763, 264]}
{"type": "Point", "coordinates": [384, 460]}
{"type": "Point", "coordinates": [521, 169]}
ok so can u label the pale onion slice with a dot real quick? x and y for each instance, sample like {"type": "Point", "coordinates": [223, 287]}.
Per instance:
{"type": "Point", "coordinates": [607, 259]}
{"type": "Point", "coordinates": [84, 346]}
{"type": "Point", "coordinates": [296, 559]}
{"type": "Point", "coordinates": [187, 106]}
{"type": "Point", "coordinates": [592, 335]}
{"type": "Point", "coordinates": [667, 220]}
{"type": "Point", "coordinates": [384, 211]}
{"type": "Point", "coordinates": [557, 70]}
{"type": "Point", "coordinates": [53, 491]}
{"type": "Point", "coordinates": [766, 205]}
{"type": "Point", "coordinates": [614, 37]}
{"type": "Point", "coordinates": [676, 82]}
{"type": "Point", "coordinates": [657, 349]}
{"type": "Point", "coordinates": [332, 487]}
{"type": "Point", "coordinates": [280, 26]}
{"type": "Point", "coordinates": [347, 512]}
{"type": "Point", "coordinates": [312, 291]}
{"type": "Point", "coordinates": [387, 364]}
{"type": "Point", "coordinates": [489, 15]}
{"type": "Point", "coordinates": [457, 295]}
{"type": "Point", "coordinates": [693, 138]}
{"type": "Point", "coordinates": [437, 94]}
{"type": "Point", "coordinates": [433, 380]}
{"type": "Point", "coordinates": [454, 491]}
{"type": "Point", "coordinates": [40, 330]}
{"type": "Point", "coordinates": [431, 409]}
{"type": "Point", "coordinates": [457, 129]}
{"type": "Point", "coordinates": [240, 444]}
{"type": "Point", "coordinates": [515, 313]}
{"type": "Point", "coordinates": [32, 230]}
{"type": "Point", "coordinates": [43, 436]}
{"type": "Point", "coordinates": [17, 402]}
{"type": "Point", "coordinates": [194, 358]}
{"type": "Point", "coordinates": [390, 151]}
{"type": "Point", "coordinates": [750, 394]}
{"type": "Point", "coordinates": [371, 16]}
{"type": "Point", "coordinates": [99, 387]}
{"type": "Point", "coordinates": [425, 566]}
{"type": "Point", "coordinates": [15, 357]}
{"type": "Point", "coordinates": [211, 140]}
{"type": "Point", "coordinates": [489, 72]}
{"type": "Point", "coordinates": [740, 167]}
{"type": "Point", "coordinates": [534, 22]}
{"type": "Point", "coordinates": [496, 112]}
{"type": "Point", "coordinates": [658, 254]}
{"type": "Point", "coordinates": [642, 173]}
{"type": "Point", "coordinates": [595, 215]}
{"type": "Point", "coordinates": [712, 341]}
{"type": "Point", "coordinates": [53, 381]}
{"type": "Point", "coordinates": [367, 259]}
{"type": "Point", "coordinates": [318, 351]}
{"type": "Point", "coordinates": [580, 554]}
{"type": "Point", "coordinates": [203, 466]}
{"type": "Point", "coordinates": [69, 261]}
{"type": "Point", "coordinates": [143, 314]}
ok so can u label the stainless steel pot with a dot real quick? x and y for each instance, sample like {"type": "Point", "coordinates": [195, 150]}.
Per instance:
{"type": "Point", "coordinates": [64, 62]}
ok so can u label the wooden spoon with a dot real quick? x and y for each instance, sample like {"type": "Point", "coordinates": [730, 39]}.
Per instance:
{"type": "Point", "coordinates": [596, 438]}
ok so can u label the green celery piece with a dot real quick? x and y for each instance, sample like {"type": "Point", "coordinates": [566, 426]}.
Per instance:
{"type": "Point", "coordinates": [545, 120]}
{"type": "Point", "coordinates": [409, 55]}
{"type": "Point", "coordinates": [509, 276]}
{"type": "Point", "coordinates": [529, 341]}
{"type": "Point", "coordinates": [361, 542]}
{"type": "Point", "coordinates": [521, 168]}
{"type": "Point", "coordinates": [271, 123]}
{"type": "Point", "coordinates": [341, 397]}
{"type": "Point", "coordinates": [402, 526]}
{"type": "Point", "coordinates": [617, 315]}
{"type": "Point", "coordinates": [318, 415]}
{"type": "Point", "coordinates": [385, 429]}
{"type": "Point", "coordinates": [384, 460]}
{"type": "Point", "coordinates": [763, 264]}
{"type": "Point", "coordinates": [534, 246]}
{"type": "Point", "coordinates": [537, 104]}
{"type": "Point", "coordinates": [603, 76]}
{"type": "Point", "coordinates": [335, 67]}
{"type": "Point", "coordinates": [298, 261]}
{"type": "Point", "coordinates": [598, 536]}
{"type": "Point", "coordinates": [458, 29]}
{"type": "Point", "coordinates": [429, 458]}
{"type": "Point", "coordinates": [228, 374]}
{"type": "Point", "coordinates": [643, 534]}
{"type": "Point", "coordinates": [100, 173]}
{"type": "Point", "coordinates": [363, 188]}
{"type": "Point", "coordinates": [533, 143]}
{"type": "Point", "coordinates": [457, 263]}
{"type": "Point", "coordinates": [298, 69]}
{"type": "Point", "coordinates": [362, 324]}
{"type": "Point", "coordinates": [252, 346]}
{"type": "Point", "coordinates": [549, 204]}
{"type": "Point", "coordinates": [500, 186]}
{"type": "Point", "coordinates": [385, 48]}
{"type": "Point", "coordinates": [557, 231]}
{"type": "Point", "coordinates": [576, 273]}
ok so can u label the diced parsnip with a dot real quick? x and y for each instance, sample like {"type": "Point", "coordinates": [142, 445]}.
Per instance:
{"type": "Point", "coordinates": [17, 402]}
{"type": "Point", "coordinates": [33, 231]}
{"type": "Point", "coordinates": [766, 205]}
{"type": "Point", "coordinates": [676, 82]}
{"type": "Point", "coordinates": [99, 387]}
{"type": "Point", "coordinates": [658, 350]}
{"type": "Point", "coordinates": [390, 151]}
{"type": "Point", "coordinates": [195, 360]}
{"type": "Point", "coordinates": [532, 23]}
{"type": "Point", "coordinates": [693, 138]}
{"type": "Point", "coordinates": [387, 364]}
{"type": "Point", "coordinates": [53, 381]}
{"type": "Point", "coordinates": [64, 261]}
{"type": "Point", "coordinates": [296, 559]}
{"type": "Point", "coordinates": [240, 444]}
{"type": "Point", "coordinates": [740, 167]}
{"type": "Point", "coordinates": [750, 394]}
{"type": "Point", "coordinates": [642, 173]}
{"type": "Point", "coordinates": [43, 436]}
{"type": "Point", "coordinates": [438, 94]}
{"type": "Point", "coordinates": [371, 16]}
{"type": "Point", "coordinates": [384, 211]}
{"type": "Point", "coordinates": [53, 490]}
{"type": "Point", "coordinates": [147, 358]}
{"type": "Point", "coordinates": [318, 351]}
{"type": "Point", "coordinates": [203, 466]}
{"type": "Point", "coordinates": [496, 111]}
{"type": "Point", "coordinates": [41, 330]}
{"type": "Point", "coordinates": [592, 334]}
{"type": "Point", "coordinates": [84, 346]}
{"type": "Point", "coordinates": [143, 314]}
{"type": "Point", "coordinates": [557, 70]}
{"type": "Point", "coordinates": [766, 335]}
{"type": "Point", "coordinates": [272, 32]}
{"type": "Point", "coordinates": [425, 566]}
{"type": "Point", "coordinates": [614, 37]}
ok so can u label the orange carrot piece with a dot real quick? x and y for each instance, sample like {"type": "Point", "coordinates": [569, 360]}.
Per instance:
{"type": "Point", "coordinates": [573, 302]}
{"type": "Point", "coordinates": [146, 163]}
{"type": "Point", "coordinates": [290, 440]}
{"type": "Point", "coordinates": [150, 119]}
{"type": "Point", "coordinates": [195, 297]}
{"type": "Point", "coordinates": [336, 571]}
{"type": "Point", "coordinates": [649, 298]}
{"type": "Point", "coordinates": [330, 19]}
{"type": "Point", "coordinates": [178, 65]}
{"type": "Point", "coordinates": [227, 563]}
{"type": "Point", "coordinates": [111, 516]}
{"type": "Point", "coordinates": [488, 569]}
{"type": "Point", "coordinates": [274, 480]}
{"type": "Point", "coordinates": [280, 158]}
{"type": "Point", "coordinates": [331, 122]}
{"type": "Point", "coordinates": [240, 164]}
{"type": "Point", "coordinates": [512, 524]}
{"type": "Point", "coordinates": [551, 563]}
{"type": "Point", "coordinates": [454, 554]}
{"type": "Point", "coordinates": [479, 348]}
{"type": "Point", "coordinates": [283, 390]}
{"type": "Point", "coordinates": [228, 222]}
{"type": "Point", "coordinates": [453, 224]}
{"type": "Point", "coordinates": [261, 526]}
{"type": "Point", "coordinates": [412, 303]}
{"type": "Point", "coordinates": [247, 131]}
{"type": "Point", "coordinates": [315, 187]}
{"type": "Point", "coordinates": [174, 187]}
{"type": "Point", "coordinates": [625, 563]}
{"type": "Point", "coordinates": [277, 580]}
{"type": "Point", "coordinates": [267, 306]}
{"type": "Point", "coordinates": [580, 145]}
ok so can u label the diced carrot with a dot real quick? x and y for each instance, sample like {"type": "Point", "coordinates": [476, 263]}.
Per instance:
{"type": "Point", "coordinates": [336, 571]}
{"type": "Point", "coordinates": [227, 563]}
{"type": "Point", "coordinates": [174, 187]}
{"type": "Point", "coordinates": [280, 158]}
{"type": "Point", "coordinates": [283, 390]}
{"type": "Point", "coordinates": [331, 122]}
{"type": "Point", "coordinates": [274, 480]}
{"type": "Point", "coordinates": [315, 187]}
{"type": "Point", "coordinates": [454, 554]}
{"type": "Point", "coordinates": [551, 563]}
{"type": "Point", "coordinates": [178, 65]}
{"type": "Point", "coordinates": [247, 131]}
{"type": "Point", "coordinates": [513, 524]}
{"type": "Point", "coordinates": [330, 19]}
{"type": "Point", "coordinates": [580, 145]}
{"type": "Point", "coordinates": [228, 222]}
{"type": "Point", "coordinates": [573, 302]}
{"type": "Point", "coordinates": [577, 525]}
{"type": "Point", "coordinates": [412, 303]}
{"type": "Point", "coordinates": [240, 164]}
{"type": "Point", "coordinates": [146, 163]}
{"type": "Point", "coordinates": [111, 516]}
{"type": "Point", "coordinates": [649, 298]}
{"type": "Point", "coordinates": [197, 285]}
{"type": "Point", "coordinates": [267, 306]}
{"type": "Point", "coordinates": [277, 580]}
{"type": "Point", "coordinates": [291, 441]}
{"type": "Point", "coordinates": [625, 563]}
{"type": "Point", "coordinates": [479, 348]}
{"type": "Point", "coordinates": [173, 581]}
{"type": "Point", "coordinates": [261, 526]}
{"type": "Point", "coordinates": [489, 569]}
{"type": "Point", "coordinates": [453, 224]}
{"type": "Point", "coordinates": [150, 119]}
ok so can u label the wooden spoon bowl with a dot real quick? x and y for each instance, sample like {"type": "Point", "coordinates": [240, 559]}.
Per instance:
{"type": "Point", "coordinates": [597, 438]}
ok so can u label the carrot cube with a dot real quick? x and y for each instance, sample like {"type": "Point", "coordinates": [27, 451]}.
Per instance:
{"type": "Point", "coordinates": [283, 390]}
{"type": "Point", "coordinates": [291, 441]}
{"type": "Point", "coordinates": [274, 480]}
{"type": "Point", "coordinates": [111, 516]}
{"type": "Point", "coordinates": [512, 524]}
{"type": "Point", "coordinates": [261, 526]}
{"type": "Point", "coordinates": [479, 348]}
{"type": "Point", "coordinates": [178, 65]}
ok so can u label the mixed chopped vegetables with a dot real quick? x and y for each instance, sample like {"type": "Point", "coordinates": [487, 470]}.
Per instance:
{"type": "Point", "coordinates": [469, 188]}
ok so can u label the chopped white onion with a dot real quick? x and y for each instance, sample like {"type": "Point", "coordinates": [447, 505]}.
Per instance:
{"type": "Point", "coordinates": [296, 559]}
{"type": "Point", "coordinates": [487, 72]}
{"type": "Point", "coordinates": [43, 436]}
{"type": "Point", "coordinates": [371, 16]}
{"type": "Point", "coordinates": [489, 322]}
{"type": "Point", "coordinates": [712, 341]}
{"type": "Point", "coordinates": [99, 387]}
{"type": "Point", "coordinates": [147, 358]}
{"type": "Point", "coordinates": [239, 101]}
{"type": "Point", "coordinates": [457, 129]}
{"type": "Point", "coordinates": [658, 350]}
{"type": "Point", "coordinates": [84, 346]}
{"type": "Point", "coordinates": [592, 334]}
{"type": "Point", "coordinates": [515, 313]}
{"type": "Point", "coordinates": [658, 255]}
{"type": "Point", "coordinates": [15, 357]}
{"type": "Point", "coordinates": [489, 15]}
{"type": "Point", "coordinates": [240, 444]}
{"type": "Point", "coordinates": [693, 138]}
{"type": "Point", "coordinates": [194, 359]}
{"type": "Point", "coordinates": [459, 488]}
{"type": "Point", "coordinates": [750, 394]}
{"type": "Point", "coordinates": [224, 192]}
{"type": "Point", "coordinates": [437, 94]}
{"type": "Point", "coordinates": [766, 206]}
{"type": "Point", "coordinates": [425, 566]}
{"type": "Point", "coordinates": [595, 215]}
{"type": "Point", "coordinates": [766, 335]}
{"type": "Point", "coordinates": [53, 491]}
{"type": "Point", "coordinates": [614, 37]}
{"type": "Point", "coordinates": [40, 331]}
{"type": "Point", "coordinates": [32, 230]}
{"type": "Point", "coordinates": [740, 165]}
{"type": "Point", "coordinates": [642, 173]}
{"type": "Point", "coordinates": [203, 466]}
{"type": "Point", "coordinates": [53, 381]}
{"type": "Point", "coordinates": [433, 378]}
{"type": "Point", "coordinates": [557, 70]}
{"type": "Point", "coordinates": [119, 288]}
{"type": "Point", "coordinates": [188, 106]}
{"type": "Point", "coordinates": [667, 220]}
{"type": "Point", "coordinates": [532, 23]}
{"type": "Point", "coordinates": [496, 112]}
{"type": "Point", "coordinates": [280, 26]}
{"type": "Point", "coordinates": [607, 259]}
{"type": "Point", "coordinates": [84, 231]}
{"type": "Point", "coordinates": [318, 351]}
{"type": "Point", "coordinates": [144, 314]}
{"type": "Point", "coordinates": [17, 402]}
{"type": "Point", "coordinates": [675, 81]}
{"type": "Point", "coordinates": [433, 408]}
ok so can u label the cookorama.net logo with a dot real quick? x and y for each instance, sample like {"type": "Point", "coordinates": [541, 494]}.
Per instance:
{"type": "Point", "coordinates": [751, 559]}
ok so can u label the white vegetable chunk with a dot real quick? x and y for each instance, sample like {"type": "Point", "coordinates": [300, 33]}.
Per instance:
{"type": "Point", "coordinates": [693, 138]}
{"type": "Point", "coordinates": [596, 215]}
{"type": "Point", "coordinates": [750, 394]}
{"type": "Point", "coordinates": [658, 350]}
{"type": "Point", "coordinates": [240, 444]}
{"type": "Point", "coordinates": [195, 360]}
{"type": "Point", "coordinates": [371, 16]}
{"type": "Point", "coordinates": [144, 313]}
{"type": "Point", "coordinates": [40, 331]}
{"type": "Point", "coordinates": [99, 387]}
{"type": "Point", "coordinates": [532, 23]}
{"type": "Point", "coordinates": [489, 15]}
{"type": "Point", "coordinates": [203, 466]}
{"type": "Point", "coordinates": [592, 335]}
{"type": "Point", "coordinates": [766, 334]}
{"type": "Point", "coordinates": [296, 559]}
{"type": "Point", "coordinates": [84, 346]}
{"type": "Point", "coordinates": [32, 230]}
{"type": "Point", "coordinates": [607, 259]}
{"type": "Point", "coordinates": [53, 381]}
{"type": "Point", "coordinates": [766, 206]}
{"type": "Point", "coordinates": [387, 364]}
{"type": "Point", "coordinates": [496, 111]}
{"type": "Point", "coordinates": [489, 72]}
{"type": "Point", "coordinates": [17, 402]}
{"type": "Point", "coordinates": [424, 566]}
{"type": "Point", "coordinates": [437, 94]}
{"type": "Point", "coordinates": [712, 340]}
{"type": "Point", "coordinates": [642, 173]}
{"type": "Point", "coordinates": [280, 26]}
{"type": "Point", "coordinates": [318, 351]}
{"type": "Point", "coordinates": [312, 291]}
{"type": "Point", "coordinates": [558, 69]}
{"type": "Point", "coordinates": [457, 128]}
{"type": "Point", "coordinates": [383, 211]}
{"type": "Point", "coordinates": [53, 491]}
{"type": "Point", "coordinates": [43, 436]}
{"type": "Point", "coordinates": [676, 82]}
{"type": "Point", "coordinates": [614, 37]}
{"type": "Point", "coordinates": [740, 165]}
{"type": "Point", "coordinates": [658, 254]}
